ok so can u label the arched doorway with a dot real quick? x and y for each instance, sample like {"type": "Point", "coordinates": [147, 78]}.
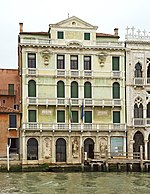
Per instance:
{"type": "Point", "coordinates": [32, 149]}
{"type": "Point", "coordinates": [138, 141]}
{"type": "Point", "coordinates": [89, 147]}
{"type": "Point", "coordinates": [60, 150]}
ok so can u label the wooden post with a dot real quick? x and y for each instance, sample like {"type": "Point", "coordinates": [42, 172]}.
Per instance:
{"type": "Point", "coordinates": [141, 157]}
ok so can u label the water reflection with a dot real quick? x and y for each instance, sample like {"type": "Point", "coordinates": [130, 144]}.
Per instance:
{"type": "Point", "coordinates": [74, 183]}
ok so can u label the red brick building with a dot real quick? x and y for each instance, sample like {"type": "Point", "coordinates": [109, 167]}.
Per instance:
{"type": "Point", "coordinates": [9, 112]}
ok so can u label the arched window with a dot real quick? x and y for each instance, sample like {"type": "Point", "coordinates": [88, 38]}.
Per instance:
{"type": "Point", "coordinates": [116, 90]}
{"type": "Point", "coordinates": [60, 150]}
{"type": "Point", "coordinates": [31, 88]}
{"type": "Point", "coordinates": [60, 89]}
{"type": "Point", "coordinates": [138, 110]}
{"type": "Point", "coordinates": [32, 149]}
{"type": "Point", "coordinates": [87, 90]}
{"type": "Point", "coordinates": [74, 89]}
{"type": "Point", "coordinates": [148, 110]}
{"type": "Point", "coordinates": [138, 70]}
{"type": "Point", "coordinates": [148, 71]}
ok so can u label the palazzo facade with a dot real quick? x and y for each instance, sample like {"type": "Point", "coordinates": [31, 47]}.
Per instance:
{"type": "Point", "coordinates": [138, 90]}
{"type": "Point", "coordinates": [73, 93]}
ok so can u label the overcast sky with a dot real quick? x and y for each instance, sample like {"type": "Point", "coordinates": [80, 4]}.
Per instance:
{"type": "Point", "coordinates": [36, 15]}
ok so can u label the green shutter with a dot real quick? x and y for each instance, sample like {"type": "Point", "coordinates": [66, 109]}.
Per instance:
{"type": "Point", "coordinates": [86, 36]}
{"type": "Point", "coordinates": [60, 90]}
{"type": "Point", "coordinates": [32, 115]}
{"type": "Point", "coordinates": [87, 90]}
{"type": "Point", "coordinates": [60, 116]}
{"type": "Point", "coordinates": [88, 116]}
{"type": "Point", "coordinates": [116, 117]}
{"type": "Point", "coordinates": [31, 89]}
{"type": "Point", "coordinates": [75, 116]}
{"type": "Point", "coordinates": [116, 91]}
{"type": "Point", "coordinates": [115, 63]}
{"type": "Point", "coordinates": [11, 89]}
{"type": "Point", "coordinates": [60, 35]}
{"type": "Point", "coordinates": [74, 90]}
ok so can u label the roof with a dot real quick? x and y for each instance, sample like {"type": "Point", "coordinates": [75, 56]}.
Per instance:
{"type": "Point", "coordinates": [35, 33]}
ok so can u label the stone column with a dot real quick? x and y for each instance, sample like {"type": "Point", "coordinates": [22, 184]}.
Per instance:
{"type": "Point", "coordinates": [53, 149]}
{"type": "Point", "coordinates": [69, 151]}
{"type": "Point", "coordinates": [145, 147]}
{"type": "Point", "coordinates": [24, 146]}
{"type": "Point", "coordinates": [130, 150]}
{"type": "Point", "coordinates": [109, 154]}
{"type": "Point", "coordinates": [40, 149]}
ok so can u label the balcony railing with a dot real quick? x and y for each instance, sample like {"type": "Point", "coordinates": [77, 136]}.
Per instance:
{"type": "Point", "coordinates": [7, 92]}
{"type": "Point", "coordinates": [74, 127]}
{"type": "Point", "coordinates": [74, 101]}
{"type": "Point", "coordinates": [32, 71]}
{"type": "Point", "coordinates": [141, 122]}
{"type": "Point", "coordinates": [139, 81]}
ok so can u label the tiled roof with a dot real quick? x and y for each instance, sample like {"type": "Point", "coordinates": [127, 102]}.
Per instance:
{"type": "Point", "coordinates": [106, 35]}
{"type": "Point", "coordinates": [35, 33]}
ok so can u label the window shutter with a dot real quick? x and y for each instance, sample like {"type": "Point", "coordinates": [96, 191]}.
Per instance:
{"type": "Point", "coordinates": [87, 90]}
{"type": "Point", "coordinates": [88, 116]}
{"type": "Point", "coordinates": [31, 89]}
{"type": "Point", "coordinates": [75, 116]}
{"type": "Point", "coordinates": [32, 115]}
{"type": "Point", "coordinates": [116, 117]}
{"type": "Point", "coordinates": [116, 91]}
{"type": "Point", "coordinates": [115, 63]}
{"type": "Point", "coordinates": [60, 90]}
{"type": "Point", "coordinates": [61, 116]}
{"type": "Point", "coordinates": [74, 90]}
{"type": "Point", "coordinates": [11, 89]}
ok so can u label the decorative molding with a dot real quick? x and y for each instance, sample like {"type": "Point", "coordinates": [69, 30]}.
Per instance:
{"type": "Point", "coordinates": [46, 54]}
{"type": "Point", "coordinates": [102, 58]}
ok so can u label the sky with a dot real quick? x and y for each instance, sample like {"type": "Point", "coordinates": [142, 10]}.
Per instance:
{"type": "Point", "coordinates": [36, 15]}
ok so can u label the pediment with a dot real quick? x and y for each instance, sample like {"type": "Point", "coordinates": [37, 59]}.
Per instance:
{"type": "Point", "coordinates": [74, 22]}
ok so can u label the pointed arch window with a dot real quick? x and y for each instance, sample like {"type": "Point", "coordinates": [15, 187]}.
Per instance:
{"type": "Point", "coordinates": [31, 88]}
{"type": "Point", "coordinates": [138, 70]}
{"type": "Point", "coordinates": [148, 110]}
{"type": "Point", "coordinates": [138, 108]}
{"type": "Point", "coordinates": [87, 90]}
{"type": "Point", "coordinates": [74, 89]}
{"type": "Point", "coordinates": [116, 90]}
{"type": "Point", "coordinates": [60, 89]}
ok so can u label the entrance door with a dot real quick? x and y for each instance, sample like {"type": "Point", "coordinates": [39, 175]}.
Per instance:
{"type": "Point", "coordinates": [60, 150]}
{"type": "Point", "coordinates": [32, 149]}
{"type": "Point", "coordinates": [139, 140]}
{"type": "Point", "coordinates": [89, 147]}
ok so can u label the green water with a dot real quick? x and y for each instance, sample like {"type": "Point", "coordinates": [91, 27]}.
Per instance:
{"type": "Point", "coordinates": [75, 183]}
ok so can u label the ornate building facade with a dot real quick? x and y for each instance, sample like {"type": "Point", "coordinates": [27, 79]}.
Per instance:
{"type": "Point", "coordinates": [138, 90]}
{"type": "Point", "coordinates": [73, 93]}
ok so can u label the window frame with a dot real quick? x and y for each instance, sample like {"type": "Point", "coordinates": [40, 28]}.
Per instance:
{"type": "Point", "coordinates": [74, 63]}
{"type": "Point", "coordinates": [87, 63]}
{"type": "Point", "coordinates": [12, 123]}
{"type": "Point", "coordinates": [61, 62]}
{"type": "Point", "coordinates": [114, 117]}
{"type": "Point", "coordinates": [87, 36]}
{"type": "Point", "coordinates": [58, 111]}
{"type": "Point", "coordinates": [31, 62]}
{"type": "Point", "coordinates": [115, 67]}
{"type": "Point", "coordinates": [60, 35]}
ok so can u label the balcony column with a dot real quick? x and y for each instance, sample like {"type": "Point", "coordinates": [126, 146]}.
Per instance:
{"type": "Point", "coordinates": [145, 147]}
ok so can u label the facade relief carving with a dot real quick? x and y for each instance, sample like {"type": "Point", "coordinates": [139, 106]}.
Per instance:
{"type": "Point", "coordinates": [103, 146]}
{"type": "Point", "coordinates": [75, 147]}
{"type": "Point", "coordinates": [46, 54]}
{"type": "Point", "coordinates": [47, 148]}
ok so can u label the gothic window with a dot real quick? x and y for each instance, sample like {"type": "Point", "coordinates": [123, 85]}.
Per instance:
{"type": "Point", "coordinates": [138, 70]}
{"type": "Point", "coordinates": [148, 110]}
{"type": "Point", "coordinates": [138, 108]}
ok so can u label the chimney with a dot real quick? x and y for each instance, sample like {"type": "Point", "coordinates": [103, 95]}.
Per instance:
{"type": "Point", "coordinates": [21, 27]}
{"type": "Point", "coordinates": [116, 31]}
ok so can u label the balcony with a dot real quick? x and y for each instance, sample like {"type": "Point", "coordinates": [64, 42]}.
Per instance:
{"type": "Point", "coordinates": [31, 71]}
{"type": "Point", "coordinates": [74, 73]}
{"type": "Point", "coordinates": [138, 81]}
{"type": "Point", "coordinates": [141, 122]}
{"type": "Point", "coordinates": [116, 74]}
{"type": "Point", "coordinates": [61, 72]}
{"type": "Point", "coordinates": [7, 92]}
{"type": "Point", "coordinates": [74, 102]}
{"type": "Point", "coordinates": [74, 127]}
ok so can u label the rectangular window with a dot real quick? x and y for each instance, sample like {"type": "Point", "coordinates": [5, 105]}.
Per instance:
{"type": "Point", "coordinates": [32, 115]}
{"type": "Point", "coordinates": [117, 146]}
{"type": "Point", "coordinates": [14, 145]}
{"type": "Point", "coordinates": [86, 36]}
{"type": "Point", "coordinates": [60, 62]}
{"type": "Point", "coordinates": [88, 116]}
{"type": "Point", "coordinates": [75, 116]}
{"type": "Point", "coordinates": [60, 116]}
{"type": "Point", "coordinates": [60, 35]}
{"type": "Point", "coordinates": [115, 63]}
{"type": "Point", "coordinates": [11, 89]}
{"type": "Point", "coordinates": [116, 116]}
{"type": "Point", "coordinates": [12, 121]}
{"type": "Point", "coordinates": [87, 62]}
{"type": "Point", "coordinates": [73, 62]}
{"type": "Point", "coordinates": [31, 60]}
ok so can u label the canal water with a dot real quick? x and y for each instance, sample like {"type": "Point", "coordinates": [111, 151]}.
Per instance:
{"type": "Point", "coordinates": [75, 183]}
